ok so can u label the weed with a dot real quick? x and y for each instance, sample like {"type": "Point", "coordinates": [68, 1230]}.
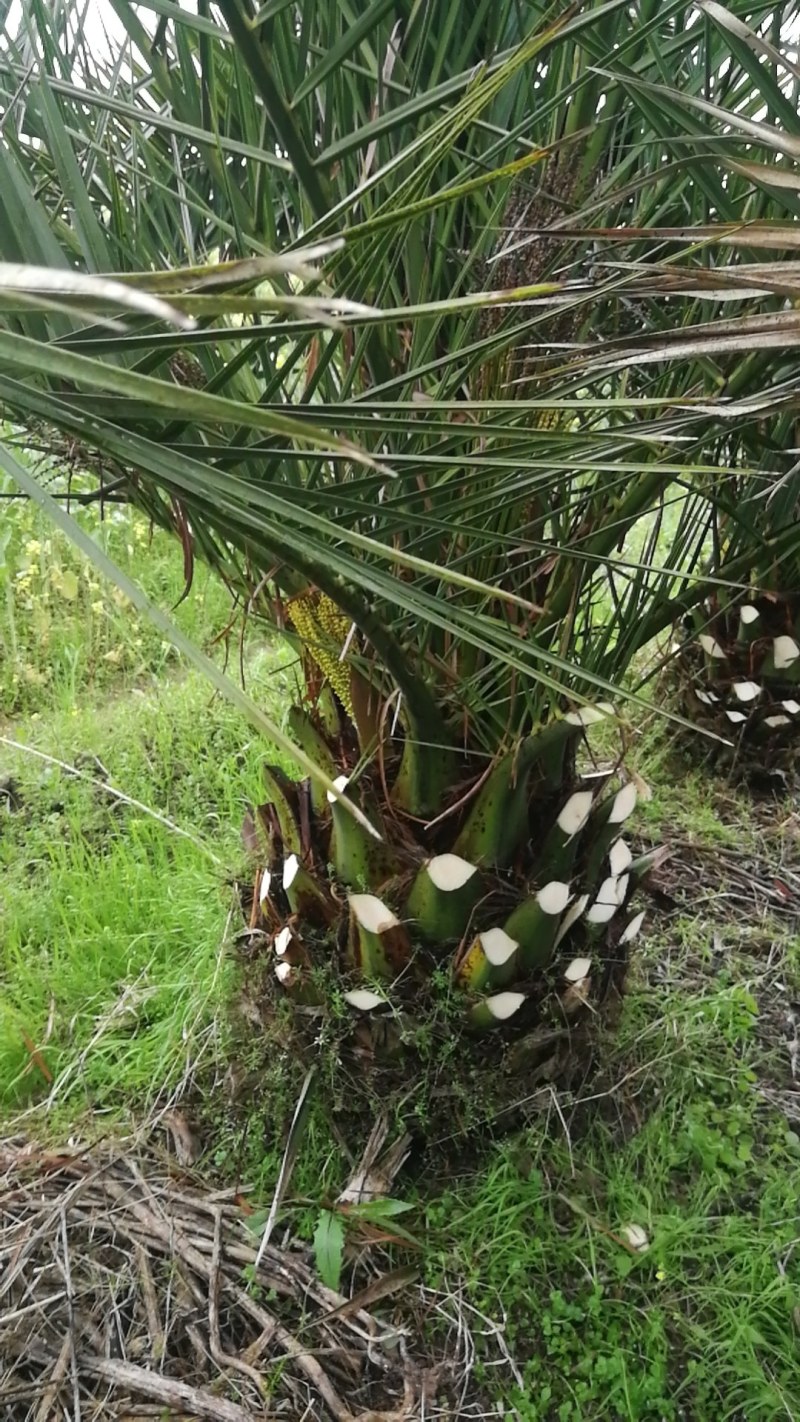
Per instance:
{"type": "Point", "coordinates": [702, 1321]}
{"type": "Point", "coordinates": [64, 634]}
{"type": "Point", "coordinates": [114, 969]}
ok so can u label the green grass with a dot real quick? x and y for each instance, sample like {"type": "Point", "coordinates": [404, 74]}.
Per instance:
{"type": "Point", "coordinates": [66, 636]}
{"type": "Point", "coordinates": [704, 1322]}
{"type": "Point", "coordinates": [114, 970]}
{"type": "Point", "coordinates": [116, 978]}
{"type": "Point", "coordinates": [680, 1135]}
{"type": "Point", "coordinates": [113, 923]}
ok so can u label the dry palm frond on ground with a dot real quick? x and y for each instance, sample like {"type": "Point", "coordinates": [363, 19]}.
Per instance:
{"type": "Point", "coordinates": [126, 1292]}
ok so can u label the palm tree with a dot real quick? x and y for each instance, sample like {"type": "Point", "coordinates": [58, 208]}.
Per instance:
{"type": "Point", "coordinates": [739, 654]}
{"type": "Point", "coordinates": [468, 460]}
{"type": "Point", "coordinates": [739, 650]}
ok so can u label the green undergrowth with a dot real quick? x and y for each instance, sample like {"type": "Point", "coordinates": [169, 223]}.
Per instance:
{"type": "Point", "coordinates": [422, 1071]}
{"type": "Point", "coordinates": [676, 1140]}
{"type": "Point", "coordinates": [689, 1133]}
{"type": "Point", "coordinates": [120, 991]}
{"type": "Point", "coordinates": [685, 1133]}
{"type": "Point", "coordinates": [115, 970]}
{"type": "Point", "coordinates": [66, 635]}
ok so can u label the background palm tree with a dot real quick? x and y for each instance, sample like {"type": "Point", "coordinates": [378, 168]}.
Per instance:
{"type": "Point", "coordinates": [470, 459]}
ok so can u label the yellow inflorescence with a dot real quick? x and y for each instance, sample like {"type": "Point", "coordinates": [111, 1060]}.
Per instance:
{"type": "Point", "coordinates": [323, 629]}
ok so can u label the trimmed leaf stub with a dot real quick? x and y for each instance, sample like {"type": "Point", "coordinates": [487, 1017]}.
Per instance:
{"type": "Point", "coordinates": [590, 715]}
{"type": "Point", "coordinates": [498, 946]}
{"type": "Point", "coordinates": [308, 899]}
{"type": "Point", "coordinates": [341, 782]}
{"type": "Point", "coordinates": [785, 652]}
{"type": "Point", "coordinates": [504, 1004]}
{"type": "Point", "coordinates": [282, 942]}
{"type": "Point", "coordinates": [443, 896]}
{"type": "Point", "coordinates": [601, 912]}
{"type": "Point", "coordinates": [449, 872]}
{"type": "Point", "coordinates": [372, 913]}
{"type": "Point", "coordinates": [571, 917]}
{"type": "Point", "coordinates": [624, 804]}
{"type": "Point", "coordinates": [577, 970]}
{"type": "Point", "coordinates": [619, 858]}
{"type": "Point", "coordinates": [497, 1009]}
{"type": "Point", "coordinates": [711, 646]}
{"type": "Point", "coordinates": [632, 929]}
{"type": "Point", "coordinates": [576, 996]}
{"type": "Point", "coordinates": [575, 813]}
{"type": "Point", "coordinates": [491, 960]}
{"type": "Point", "coordinates": [363, 1000]}
{"type": "Point", "coordinates": [378, 945]}
{"type": "Point", "coordinates": [609, 892]}
{"type": "Point", "coordinates": [553, 898]}
{"type": "Point", "coordinates": [534, 924]}
{"type": "Point", "coordinates": [290, 955]}
{"type": "Point", "coordinates": [636, 1237]}
{"type": "Point", "coordinates": [746, 690]}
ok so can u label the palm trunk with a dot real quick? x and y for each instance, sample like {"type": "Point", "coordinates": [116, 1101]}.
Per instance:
{"type": "Point", "coordinates": [740, 675]}
{"type": "Point", "coordinates": [507, 918]}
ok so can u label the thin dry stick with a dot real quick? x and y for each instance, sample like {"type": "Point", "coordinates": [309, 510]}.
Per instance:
{"type": "Point", "coordinates": [53, 1388]}
{"type": "Point", "coordinates": [213, 1284]}
{"type": "Point", "coordinates": [221, 1358]}
{"type": "Point", "coordinates": [177, 1396]}
{"type": "Point", "coordinates": [23, 1251]}
{"type": "Point", "coordinates": [253, 1351]}
{"type": "Point", "coordinates": [150, 1299]}
{"type": "Point", "coordinates": [39, 1305]}
{"type": "Point", "coordinates": [76, 1386]}
{"type": "Point", "coordinates": [287, 1164]}
{"type": "Point", "coordinates": [565, 1128]}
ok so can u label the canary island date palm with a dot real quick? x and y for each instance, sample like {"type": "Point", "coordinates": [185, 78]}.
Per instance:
{"type": "Point", "coordinates": [432, 442]}
{"type": "Point", "coordinates": [738, 649]}
{"type": "Point", "coordinates": [739, 659]}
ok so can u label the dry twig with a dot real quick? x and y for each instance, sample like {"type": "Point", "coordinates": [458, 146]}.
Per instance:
{"type": "Point", "coordinates": [123, 1290]}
